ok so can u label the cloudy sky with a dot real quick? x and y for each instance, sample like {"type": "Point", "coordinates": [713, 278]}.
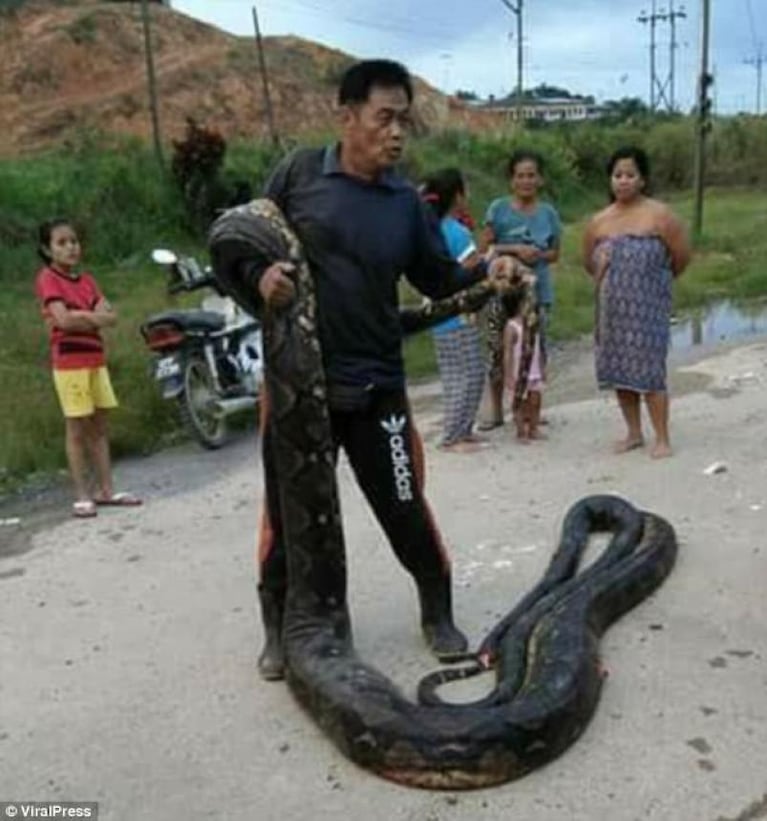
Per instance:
{"type": "Point", "coordinates": [588, 46]}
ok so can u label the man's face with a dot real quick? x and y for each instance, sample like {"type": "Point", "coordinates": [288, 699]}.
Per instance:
{"type": "Point", "coordinates": [376, 130]}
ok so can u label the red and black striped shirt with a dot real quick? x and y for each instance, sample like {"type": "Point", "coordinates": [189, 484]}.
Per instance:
{"type": "Point", "coordinates": [79, 292]}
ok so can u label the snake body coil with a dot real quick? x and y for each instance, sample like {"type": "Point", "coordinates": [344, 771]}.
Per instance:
{"type": "Point", "coordinates": [544, 653]}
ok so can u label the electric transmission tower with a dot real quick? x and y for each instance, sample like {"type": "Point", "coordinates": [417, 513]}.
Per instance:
{"type": "Point", "coordinates": [758, 62]}
{"type": "Point", "coordinates": [662, 90]}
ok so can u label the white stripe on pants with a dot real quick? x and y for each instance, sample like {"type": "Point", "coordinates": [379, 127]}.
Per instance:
{"type": "Point", "coordinates": [462, 371]}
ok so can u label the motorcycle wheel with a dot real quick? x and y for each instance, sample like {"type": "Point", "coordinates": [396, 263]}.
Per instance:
{"type": "Point", "coordinates": [197, 405]}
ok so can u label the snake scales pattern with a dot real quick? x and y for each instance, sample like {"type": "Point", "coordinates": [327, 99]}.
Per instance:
{"type": "Point", "coordinates": [544, 653]}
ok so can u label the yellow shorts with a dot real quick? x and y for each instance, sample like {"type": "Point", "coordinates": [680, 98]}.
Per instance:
{"type": "Point", "coordinates": [81, 391]}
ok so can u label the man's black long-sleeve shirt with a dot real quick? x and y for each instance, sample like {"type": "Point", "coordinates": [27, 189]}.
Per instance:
{"type": "Point", "coordinates": [359, 237]}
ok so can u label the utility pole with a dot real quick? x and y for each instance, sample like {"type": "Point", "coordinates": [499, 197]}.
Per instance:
{"type": "Point", "coordinates": [265, 82]}
{"type": "Point", "coordinates": [517, 11]}
{"type": "Point", "coordinates": [151, 82]}
{"type": "Point", "coordinates": [758, 63]}
{"type": "Point", "coordinates": [446, 60]}
{"type": "Point", "coordinates": [703, 119]}
{"type": "Point", "coordinates": [662, 92]}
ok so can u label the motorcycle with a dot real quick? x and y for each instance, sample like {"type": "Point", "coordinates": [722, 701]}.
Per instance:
{"type": "Point", "coordinates": [209, 360]}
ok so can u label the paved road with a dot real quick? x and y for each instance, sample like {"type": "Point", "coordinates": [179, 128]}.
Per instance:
{"type": "Point", "coordinates": [128, 642]}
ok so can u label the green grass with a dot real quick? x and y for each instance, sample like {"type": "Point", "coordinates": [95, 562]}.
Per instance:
{"type": "Point", "coordinates": [114, 189]}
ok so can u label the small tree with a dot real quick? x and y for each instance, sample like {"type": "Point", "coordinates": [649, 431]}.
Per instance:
{"type": "Point", "coordinates": [196, 167]}
{"type": "Point", "coordinates": [627, 109]}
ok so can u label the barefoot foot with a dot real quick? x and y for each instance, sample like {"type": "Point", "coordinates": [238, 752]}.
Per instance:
{"type": "Point", "coordinates": [473, 437]}
{"type": "Point", "coordinates": [627, 444]}
{"type": "Point", "coordinates": [660, 450]}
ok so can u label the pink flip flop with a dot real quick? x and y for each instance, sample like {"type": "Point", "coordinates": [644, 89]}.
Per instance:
{"type": "Point", "coordinates": [119, 500]}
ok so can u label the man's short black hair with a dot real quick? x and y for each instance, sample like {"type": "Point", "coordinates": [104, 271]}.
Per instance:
{"type": "Point", "coordinates": [360, 78]}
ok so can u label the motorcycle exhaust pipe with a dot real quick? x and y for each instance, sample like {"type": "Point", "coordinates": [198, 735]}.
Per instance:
{"type": "Point", "coordinates": [226, 407]}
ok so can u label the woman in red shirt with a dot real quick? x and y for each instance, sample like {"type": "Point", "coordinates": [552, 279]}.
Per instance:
{"type": "Point", "coordinates": [75, 310]}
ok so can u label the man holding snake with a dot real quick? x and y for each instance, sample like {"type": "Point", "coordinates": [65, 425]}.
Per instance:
{"type": "Point", "coordinates": [362, 226]}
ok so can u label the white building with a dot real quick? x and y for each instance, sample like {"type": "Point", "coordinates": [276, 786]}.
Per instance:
{"type": "Point", "coordinates": [551, 109]}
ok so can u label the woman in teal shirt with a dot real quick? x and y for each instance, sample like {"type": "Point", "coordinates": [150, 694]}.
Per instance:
{"type": "Point", "coordinates": [530, 230]}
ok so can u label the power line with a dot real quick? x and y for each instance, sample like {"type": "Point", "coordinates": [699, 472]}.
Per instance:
{"type": "Point", "coordinates": [750, 15]}
{"type": "Point", "coordinates": [337, 14]}
{"type": "Point", "coordinates": [426, 29]}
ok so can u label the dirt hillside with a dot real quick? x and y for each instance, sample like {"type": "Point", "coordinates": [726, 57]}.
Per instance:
{"type": "Point", "coordinates": [75, 66]}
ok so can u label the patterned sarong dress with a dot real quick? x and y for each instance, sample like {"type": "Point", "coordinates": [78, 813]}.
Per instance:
{"type": "Point", "coordinates": [633, 312]}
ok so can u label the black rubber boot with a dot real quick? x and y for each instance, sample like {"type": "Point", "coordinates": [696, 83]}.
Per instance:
{"type": "Point", "coordinates": [446, 641]}
{"type": "Point", "coordinates": [271, 663]}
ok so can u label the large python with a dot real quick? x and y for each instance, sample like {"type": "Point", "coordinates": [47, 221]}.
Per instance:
{"type": "Point", "coordinates": [544, 653]}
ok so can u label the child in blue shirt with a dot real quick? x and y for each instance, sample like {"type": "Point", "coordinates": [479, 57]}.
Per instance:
{"type": "Point", "coordinates": [456, 340]}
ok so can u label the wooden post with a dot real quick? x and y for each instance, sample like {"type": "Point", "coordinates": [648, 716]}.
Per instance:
{"type": "Point", "coordinates": [265, 81]}
{"type": "Point", "coordinates": [151, 83]}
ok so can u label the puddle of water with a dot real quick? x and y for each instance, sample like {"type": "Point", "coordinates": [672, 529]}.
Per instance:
{"type": "Point", "coordinates": [720, 322]}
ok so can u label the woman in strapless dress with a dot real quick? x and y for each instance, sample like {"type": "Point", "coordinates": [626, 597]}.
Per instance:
{"type": "Point", "coordinates": [634, 249]}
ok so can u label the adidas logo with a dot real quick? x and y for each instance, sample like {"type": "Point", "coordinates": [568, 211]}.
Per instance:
{"type": "Point", "coordinates": [403, 477]}
{"type": "Point", "coordinates": [394, 424]}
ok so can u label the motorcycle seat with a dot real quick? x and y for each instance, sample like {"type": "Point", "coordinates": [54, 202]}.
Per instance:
{"type": "Point", "coordinates": [188, 320]}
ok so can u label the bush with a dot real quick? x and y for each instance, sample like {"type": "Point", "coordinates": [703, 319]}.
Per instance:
{"type": "Point", "coordinates": [83, 30]}
{"type": "Point", "coordinates": [197, 161]}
